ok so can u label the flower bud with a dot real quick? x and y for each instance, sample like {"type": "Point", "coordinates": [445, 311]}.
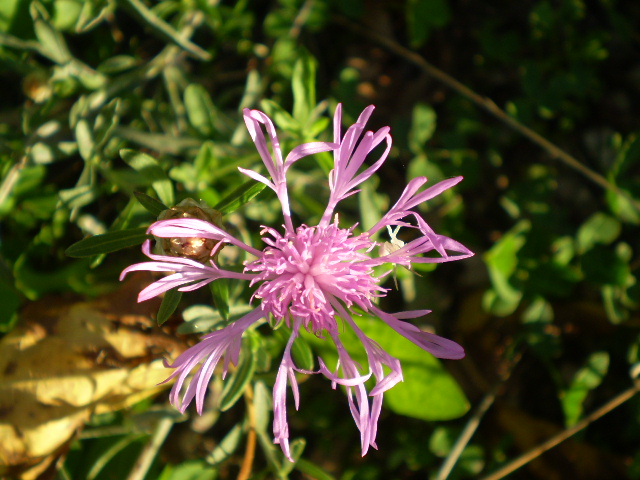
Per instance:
{"type": "Point", "coordinates": [198, 249]}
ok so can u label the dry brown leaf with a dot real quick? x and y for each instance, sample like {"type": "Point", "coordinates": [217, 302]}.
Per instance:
{"type": "Point", "coordinates": [67, 360]}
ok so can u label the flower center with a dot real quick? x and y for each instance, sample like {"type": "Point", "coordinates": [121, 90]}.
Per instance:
{"type": "Point", "coordinates": [302, 272]}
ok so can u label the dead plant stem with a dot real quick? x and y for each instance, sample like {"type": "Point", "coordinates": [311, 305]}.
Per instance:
{"type": "Point", "coordinates": [563, 435]}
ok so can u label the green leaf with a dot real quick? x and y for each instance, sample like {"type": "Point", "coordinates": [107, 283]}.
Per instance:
{"type": "Point", "coordinates": [169, 304]}
{"type": "Point", "coordinates": [203, 318]}
{"type": "Point", "coordinates": [117, 64]}
{"type": "Point", "coordinates": [296, 447]}
{"type": "Point", "coordinates": [303, 84]}
{"type": "Point", "coordinates": [153, 205]}
{"type": "Point", "coordinates": [263, 404]}
{"type": "Point", "coordinates": [280, 116]}
{"type": "Point", "coordinates": [188, 470]}
{"type": "Point", "coordinates": [422, 15]}
{"type": "Point", "coordinates": [624, 209]}
{"type": "Point", "coordinates": [312, 471]}
{"type": "Point", "coordinates": [84, 137]}
{"type": "Point", "coordinates": [8, 13]}
{"type": "Point", "coordinates": [502, 261]}
{"type": "Point", "coordinates": [149, 167]}
{"type": "Point", "coordinates": [78, 196]}
{"type": "Point", "coordinates": [200, 109]}
{"type": "Point", "coordinates": [227, 446]}
{"type": "Point", "coordinates": [605, 266]}
{"type": "Point", "coordinates": [599, 228]}
{"type": "Point", "coordinates": [235, 387]}
{"type": "Point", "coordinates": [369, 202]}
{"type": "Point", "coordinates": [66, 13]}
{"type": "Point", "coordinates": [302, 354]}
{"type": "Point", "coordinates": [241, 195]}
{"type": "Point", "coordinates": [107, 242]}
{"type": "Point", "coordinates": [423, 125]}
{"type": "Point", "coordinates": [199, 318]}
{"type": "Point", "coordinates": [51, 40]}
{"type": "Point", "coordinates": [165, 30]}
{"type": "Point", "coordinates": [428, 392]}
{"type": "Point", "coordinates": [586, 379]}
{"type": "Point", "coordinates": [220, 292]}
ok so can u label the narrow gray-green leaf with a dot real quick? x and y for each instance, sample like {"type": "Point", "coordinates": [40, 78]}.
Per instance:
{"type": "Point", "coordinates": [165, 30]}
{"type": "Point", "coordinates": [51, 40]}
{"type": "Point", "coordinates": [227, 446]}
{"type": "Point", "coordinates": [169, 304]}
{"type": "Point", "coordinates": [149, 166]}
{"type": "Point", "coordinates": [159, 142]}
{"type": "Point", "coordinates": [107, 242]}
{"type": "Point", "coordinates": [312, 471]}
{"type": "Point", "coordinates": [241, 195]}
{"type": "Point", "coordinates": [599, 228]}
{"type": "Point", "coordinates": [153, 205]}
{"type": "Point", "coordinates": [199, 109]}
{"type": "Point", "coordinates": [79, 196]}
{"type": "Point", "coordinates": [297, 447]}
{"type": "Point", "coordinates": [303, 84]}
{"type": "Point", "coordinates": [220, 292]}
{"type": "Point", "coordinates": [84, 138]}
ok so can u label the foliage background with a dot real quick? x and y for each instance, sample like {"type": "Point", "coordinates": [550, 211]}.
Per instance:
{"type": "Point", "coordinates": [547, 310]}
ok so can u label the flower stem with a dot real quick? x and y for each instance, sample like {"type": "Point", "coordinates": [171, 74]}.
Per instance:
{"type": "Point", "coordinates": [250, 452]}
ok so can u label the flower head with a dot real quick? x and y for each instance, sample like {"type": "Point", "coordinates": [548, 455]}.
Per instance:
{"type": "Point", "coordinates": [311, 276]}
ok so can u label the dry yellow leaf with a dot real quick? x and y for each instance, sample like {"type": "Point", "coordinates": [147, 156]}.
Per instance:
{"type": "Point", "coordinates": [68, 360]}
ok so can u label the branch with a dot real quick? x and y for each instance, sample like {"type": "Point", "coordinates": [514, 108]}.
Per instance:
{"type": "Point", "coordinates": [488, 105]}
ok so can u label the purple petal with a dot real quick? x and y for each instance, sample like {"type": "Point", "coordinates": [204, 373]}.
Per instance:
{"type": "Point", "coordinates": [308, 149]}
{"type": "Point", "coordinates": [438, 346]}
{"type": "Point", "coordinates": [213, 347]}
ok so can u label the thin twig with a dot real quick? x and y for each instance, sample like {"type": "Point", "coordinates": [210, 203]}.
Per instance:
{"type": "Point", "coordinates": [165, 30]}
{"type": "Point", "coordinates": [562, 436]}
{"type": "Point", "coordinates": [487, 104]}
{"type": "Point", "coordinates": [472, 425]}
{"type": "Point", "coordinates": [300, 19]}
{"type": "Point", "coordinates": [250, 452]}
{"type": "Point", "coordinates": [150, 450]}
{"type": "Point", "coordinates": [468, 431]}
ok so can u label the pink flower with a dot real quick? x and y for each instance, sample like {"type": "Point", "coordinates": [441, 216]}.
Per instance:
{"type": "Point", "coordinates": [307, 277]}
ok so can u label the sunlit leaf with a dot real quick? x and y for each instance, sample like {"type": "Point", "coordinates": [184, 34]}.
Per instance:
{"type": "Point", "coordinates": [303, 84]}
{"type": "Point", "coordinates": [428, 391]}
{"type": "Point", "coordinates": [150, 168]}
{"type": "Point", "coordinates": [502, 260]}
{"type": "Point", "coordinates": [51, 40]}
{"type": "Point", "coordinates": [200, 109]}
{"type": "Point", "coordinates": [585, 380]}
{"type": "Point", "coordinates": [599, 228]}
{"type": "Point", "coordinates": [227, 446]}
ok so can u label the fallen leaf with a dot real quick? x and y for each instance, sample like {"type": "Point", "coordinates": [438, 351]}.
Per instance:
{"type": "Point", "coordinates": [67, 360]}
